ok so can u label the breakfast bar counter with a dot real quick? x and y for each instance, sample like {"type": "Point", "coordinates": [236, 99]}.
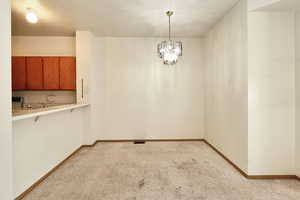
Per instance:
{"type": "Point", "coordinates": [31, 113]}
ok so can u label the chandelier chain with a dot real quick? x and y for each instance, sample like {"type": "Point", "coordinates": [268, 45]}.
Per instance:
{"type": "Point", "coordinates": [169, 27]}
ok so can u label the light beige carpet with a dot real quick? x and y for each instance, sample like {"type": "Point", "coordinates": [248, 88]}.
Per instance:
{"type": "Point", "coordinates": [156, 171]}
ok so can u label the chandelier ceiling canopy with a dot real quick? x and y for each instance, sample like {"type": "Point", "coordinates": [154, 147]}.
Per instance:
{"type": "Point", "coordinates": [169, 50]}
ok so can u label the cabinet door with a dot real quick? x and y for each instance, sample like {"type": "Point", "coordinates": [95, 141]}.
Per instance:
{"type": "Point", "coordinates": [67, 73]}
{"type": "Point", "coordinates": [18, 73]}
{"type": "Point", "coordinates": [51, 73]}
{"type": "Point", "coordinates": [34, 66]}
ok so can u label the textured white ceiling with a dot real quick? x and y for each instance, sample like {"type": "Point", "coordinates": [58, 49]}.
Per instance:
{"type": "Point", "coordinates": [282, 5]}
{"type": "Point", "coordinates": [258, 4]}
{"type": "Point", "coordinates": [119, 18]}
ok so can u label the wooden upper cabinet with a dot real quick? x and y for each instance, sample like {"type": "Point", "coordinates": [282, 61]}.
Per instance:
{"type": "Point", "coordinates": [35, 76]}
{"type": "Point", "coordinates": [18, 73]}
{"type": "Point", "coordinates": [67, 73]}
{"type": "Point", "coordinates": [51, 73]}
{"type": "Point", "coordinates": [43, 73]}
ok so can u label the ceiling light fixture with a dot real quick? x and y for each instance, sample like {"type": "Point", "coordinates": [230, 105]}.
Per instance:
{"type": "Point", "coordinates": [31, 16]}
{"type": "Point", "coordinates": [169, 50]}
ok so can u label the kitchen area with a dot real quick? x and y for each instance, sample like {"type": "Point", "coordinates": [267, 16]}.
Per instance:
{"type": "Point", "coordinates": [41, 83]}
{"type": "Point", "coordinates": [50, 108]}
{"type": "Point", "coordinates": [42, 80]}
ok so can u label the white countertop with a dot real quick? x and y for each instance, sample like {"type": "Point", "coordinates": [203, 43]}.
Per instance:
{"type": "Point", "coordinates": [46, 111]}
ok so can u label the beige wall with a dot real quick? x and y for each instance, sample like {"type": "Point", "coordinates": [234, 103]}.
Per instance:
{"type": "Point", "coordinates": [297, 154]}
{"type": "Point", "coordinates": [226, 86]}
{"type": "Point", "coordinates": [60, 97]}
{"type": "Point", "coordinates": [44, 46]}
{"type": "Point", "coordinates": [143, 98]}
{"type": "Point", "coordinates": [271, 93]}
{"type": "Point", "coordinates": [5, 103]}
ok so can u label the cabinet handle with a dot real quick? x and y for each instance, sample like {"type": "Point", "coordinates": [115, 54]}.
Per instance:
{"type": "Point", "coordinates": [82, 88]}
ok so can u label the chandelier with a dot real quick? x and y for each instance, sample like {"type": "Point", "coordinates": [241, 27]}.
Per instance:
{"type": "Point", "coordinates": [169, 50]}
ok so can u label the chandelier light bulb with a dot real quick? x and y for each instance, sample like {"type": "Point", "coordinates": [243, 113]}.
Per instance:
{"type": "Point", "coordinates": [31, 16]}
{"type": "Point", "coordinates": [170, 58]}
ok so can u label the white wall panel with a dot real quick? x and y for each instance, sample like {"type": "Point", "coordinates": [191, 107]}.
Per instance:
{"type": "Point", "coordinates": [297, 71]}
{"type": "Point", "coordinates": [40, 146]}
{"type": "Point", "coordinates": [145, 99]}
{"type": "Point", "coordinates": [271, 93]}
{"type": "Point", "coordinates": [226, 86]}
{"type": "Point", "coordinates": [5, 103]}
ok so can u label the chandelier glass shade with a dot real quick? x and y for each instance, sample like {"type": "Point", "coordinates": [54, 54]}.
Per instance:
{"type": "Point", "coordinates": [169, 50]}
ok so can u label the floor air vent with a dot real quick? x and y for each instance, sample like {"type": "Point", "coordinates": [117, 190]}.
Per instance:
{"type": "Point", "coordinates": [139, 142]}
